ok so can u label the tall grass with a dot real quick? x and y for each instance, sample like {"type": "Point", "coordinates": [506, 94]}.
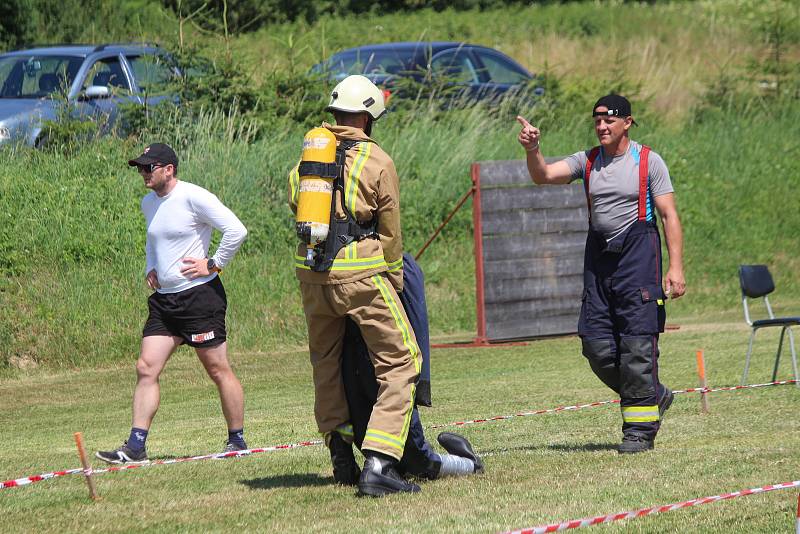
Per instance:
{"type": "Point", "coordinates": [668, 51]}
{"type": "Point", "coordinates": [73, 237]}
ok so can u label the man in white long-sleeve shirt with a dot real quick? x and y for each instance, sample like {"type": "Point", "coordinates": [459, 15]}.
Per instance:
{"type": "Point", "coordinates": [188, 304]}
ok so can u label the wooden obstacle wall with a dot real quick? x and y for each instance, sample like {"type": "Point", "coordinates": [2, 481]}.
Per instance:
{"type": "Point", "coordinates": [529, 243]}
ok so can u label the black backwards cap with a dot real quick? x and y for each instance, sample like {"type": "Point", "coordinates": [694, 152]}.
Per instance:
{"type": "Point", "coordinates": [618, 106]}
{"type": "Point", "coordinates": [156, 153]}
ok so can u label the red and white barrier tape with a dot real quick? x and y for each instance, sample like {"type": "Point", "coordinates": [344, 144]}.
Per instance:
{"type": "Point", "coordinates": [734, 388]}
{"type": "Point", "coordinates": [45, 476]}
{"type": "Point", "coordinates": [589, 521]}
{"type": "Point", "coordinates": [28, 480]}
{"type": "Point", "coordinates": [615, 401]}
{"type": "Point", "coordinates": [24, 481]}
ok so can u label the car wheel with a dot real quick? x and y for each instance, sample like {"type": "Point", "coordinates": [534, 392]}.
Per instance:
{"type": "Point", "coordinates": [41, 141]}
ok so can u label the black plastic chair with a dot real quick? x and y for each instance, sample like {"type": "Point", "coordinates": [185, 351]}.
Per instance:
{"type": "Point", "coordinates": [756, 282]}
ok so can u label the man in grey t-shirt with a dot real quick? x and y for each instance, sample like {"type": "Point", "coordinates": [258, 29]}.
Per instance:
{"type": "Point", "coordinates": [622, 310]}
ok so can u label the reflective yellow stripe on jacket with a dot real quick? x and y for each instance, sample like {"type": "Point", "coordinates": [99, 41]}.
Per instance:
{"type": "Point", "coordinates": [351, 186]}
{"type": "Point", "coordinates": [395, 265]}
{"type": "Point", "coordinates": [294, 184]}
{"type": "Point", "coordinates": [344, 264]}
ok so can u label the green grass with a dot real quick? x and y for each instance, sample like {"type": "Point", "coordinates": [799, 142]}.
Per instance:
{"type": "Point", "coordinates": [540, 469]}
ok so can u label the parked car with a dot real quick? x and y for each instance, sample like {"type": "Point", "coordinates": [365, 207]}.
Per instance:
{"type": "Point", "coordinates": [477, 72]}
{"type": "Point", "coordinates": [94, 80]}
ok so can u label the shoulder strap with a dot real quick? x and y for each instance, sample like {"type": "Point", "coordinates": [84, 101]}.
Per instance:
{"type": "Point", "coordinates": [341, 232]}
{"type": "Point", "coordinates": [643, 173]}
{"type": "Point", "coordinates": [589, 164]}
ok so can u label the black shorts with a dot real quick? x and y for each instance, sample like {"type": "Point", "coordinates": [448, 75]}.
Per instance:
{"type": "Point", "coordinates": [197, 315]}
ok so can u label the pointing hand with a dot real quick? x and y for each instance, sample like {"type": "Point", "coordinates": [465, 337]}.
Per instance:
{"type": "Point", "coordinates": [529, 135]}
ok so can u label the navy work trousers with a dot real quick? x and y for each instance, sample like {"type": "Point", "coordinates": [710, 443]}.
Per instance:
{"type": "Point", "coordinates": [622, 313]}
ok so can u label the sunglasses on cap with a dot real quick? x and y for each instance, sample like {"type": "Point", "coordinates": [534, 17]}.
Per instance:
{"type": "Point", "coordinates": [150, 167]}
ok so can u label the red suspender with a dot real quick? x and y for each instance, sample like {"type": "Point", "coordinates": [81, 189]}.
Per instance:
{"type": "Point", "coordinates": [589, 163]}
{"type": "Point", "coordinates": [643, 182]}
{"type": "Point", "coordinates": [643, 172]}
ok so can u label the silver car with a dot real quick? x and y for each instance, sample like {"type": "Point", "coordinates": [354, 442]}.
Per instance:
{"type": "Point", "coordinates": [93, 80]}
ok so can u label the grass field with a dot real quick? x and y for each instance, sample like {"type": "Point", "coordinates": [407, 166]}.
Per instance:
{"type": "Point", "coordinates": [540, 469]}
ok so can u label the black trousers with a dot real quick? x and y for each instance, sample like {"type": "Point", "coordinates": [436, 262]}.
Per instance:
{"type": "Point", "coordinates": [622, 314]}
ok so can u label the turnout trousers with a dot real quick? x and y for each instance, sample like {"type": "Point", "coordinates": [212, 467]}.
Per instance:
{"type": "Point", "coordinates": [373, 305]}
{"type": "Point", "coordinates": [622, 314]}
{"type": "Point", "coordinates": [419, 458]}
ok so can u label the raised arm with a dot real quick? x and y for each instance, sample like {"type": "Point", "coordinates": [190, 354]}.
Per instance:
{"type": "Point", "coordinates": [674, 282]}
{"type": "Point", "coordinates": [541, 173]}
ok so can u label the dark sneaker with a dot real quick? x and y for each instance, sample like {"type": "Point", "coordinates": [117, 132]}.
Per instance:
{"type": "Point", "coordinates": [379, 477]}
{"type": "Point", "coordinates": [665, 402]}
{"type": "Point", "coordinates": [345, 468]}
{"type": "Point", "coordinates": [232, 446]}
{"type": "Point", "coordinates": [458, 445]}
{"type": "Point", "coordinates": [633, 442]}
{"type": "Point", "coordinates": [123, 455]}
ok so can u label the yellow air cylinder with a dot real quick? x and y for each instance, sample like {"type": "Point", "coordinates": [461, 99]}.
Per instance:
{"type": "Point", "coordinates": [315, 192]}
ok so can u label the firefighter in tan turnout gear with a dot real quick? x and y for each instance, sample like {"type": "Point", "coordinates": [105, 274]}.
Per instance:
{"type": "Point", "coordinates": [350, 264]}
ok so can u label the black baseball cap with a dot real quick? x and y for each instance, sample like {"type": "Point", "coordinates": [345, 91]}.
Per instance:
{"type": "Point", "coordinates": [617, 105]}
{"type": "Point", "coordinates": [156, 153]}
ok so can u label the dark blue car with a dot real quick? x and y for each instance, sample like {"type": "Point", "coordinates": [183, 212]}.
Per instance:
{"type": "Point", "coordinates": [477, 72]}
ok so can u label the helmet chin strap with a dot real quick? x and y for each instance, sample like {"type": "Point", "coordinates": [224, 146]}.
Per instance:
{"type": "Point", "coordinates": [368, 127]}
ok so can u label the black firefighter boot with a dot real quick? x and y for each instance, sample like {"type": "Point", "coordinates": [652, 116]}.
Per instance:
{"type": "Point", "coordinates": [379, 477]}
{"type": "Point", "coordinates": [633, 442]}
{"type": "Point", "coordinates": [345, 468]}
{"type": "Point", "coordinates": [458, 445]}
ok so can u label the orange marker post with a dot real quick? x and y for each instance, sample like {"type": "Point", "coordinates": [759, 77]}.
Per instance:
{"type": "Point", "coordinates": [701, 371]}
{"type": "Point", "coordinates": [87, 469]}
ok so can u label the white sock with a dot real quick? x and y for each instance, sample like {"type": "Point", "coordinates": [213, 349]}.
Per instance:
{"type": "Point", "coordinates": [453, 465]}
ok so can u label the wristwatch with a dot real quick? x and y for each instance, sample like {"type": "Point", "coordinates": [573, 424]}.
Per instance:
{"type": "Point", "coordinates": [212, 266]}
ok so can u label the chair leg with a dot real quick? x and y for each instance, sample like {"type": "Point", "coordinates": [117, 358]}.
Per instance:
{"type": "Point", "coordinates": [794, 359]}
{"type": "Point", "coordinates": [747, 358]}
{"type": "Point", "coordinates": [778, 355]}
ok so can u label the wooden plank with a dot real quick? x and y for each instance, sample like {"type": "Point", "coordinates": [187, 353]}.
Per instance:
{"type": "Point", "coordinates": [569, 286]}
{"type": "Point", "coordinates": [534, 309]}
{"type": "Point", "coordinates": [507, 172]}
{"type": "Point", "coordinates": [533, 241]}
{"type": "Point", "coordinates": [533, 267]}
{"type": "Point", "coordinates": [534, 196]}
{"type": "Point", "coordinates": [522, 246]}
{"type": "Point", "coordinates": [534, 221]}
{"type": "Point", "coordinates": [527, 329]}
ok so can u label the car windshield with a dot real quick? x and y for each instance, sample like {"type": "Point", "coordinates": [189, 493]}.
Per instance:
{"type": "Point", "coordinates": [371, 62]}
{"type": "Point", "coordinates": [34, 76]}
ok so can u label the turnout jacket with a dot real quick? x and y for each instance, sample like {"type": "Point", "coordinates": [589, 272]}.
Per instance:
{"type": "Point", "coordinates": [371, 189]}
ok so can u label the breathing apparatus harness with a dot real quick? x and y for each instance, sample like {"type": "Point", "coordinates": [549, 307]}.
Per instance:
{"type": "Point", "coordinates": [344, 231]}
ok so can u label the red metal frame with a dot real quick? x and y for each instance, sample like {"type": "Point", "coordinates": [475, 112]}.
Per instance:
{"type": "Point", "coordinates": [478, 233]}
{"type": "Point", "coordinates": [480, 339]}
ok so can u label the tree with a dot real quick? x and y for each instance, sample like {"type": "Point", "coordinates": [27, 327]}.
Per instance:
{"type": "Point", "coordinates": [17, 23]}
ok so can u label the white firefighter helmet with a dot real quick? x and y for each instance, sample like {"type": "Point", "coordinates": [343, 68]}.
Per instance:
{"type": "Point", "coordinates": [356, 94]}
